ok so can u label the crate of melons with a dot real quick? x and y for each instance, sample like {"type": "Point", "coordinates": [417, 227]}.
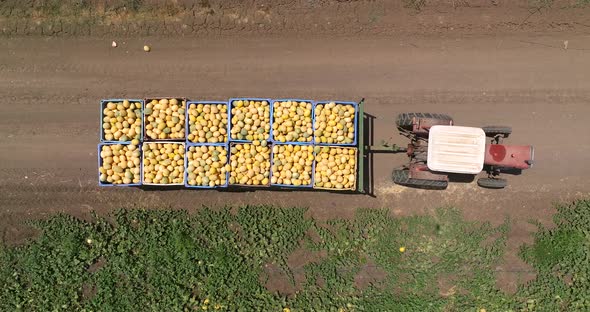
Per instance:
{"type": "Point", "coordinates": [250, 119]}
{"type": "Point", "coordinates": [250, 164]}
{"type": "Point", "coordinates": [292, 121]}
{"type": "Point", "coordinates": [119, 164]}
{"type": "Point", "coordinates": [163, 163]}
{"type": "Point", "coordinates": [207, 122]}
{"type": "Point", "coordinates": [335, 168]}
{"type": "Point", "coordinates": [292, 165]}
{"type": "Point", "coordinates": [207, 166]}
{"type": "Point", "coordinates": [164, 119]}
{"type": "Point", "coordinates": [335, 123]}
{"type": "Point", "coordinates": [121, 120]}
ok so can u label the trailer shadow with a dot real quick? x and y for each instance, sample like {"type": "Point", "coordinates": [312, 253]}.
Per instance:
{"type": "Point", "coordinates": [366, 170]}
{"type": "Point", "coordinates": [161, 188]}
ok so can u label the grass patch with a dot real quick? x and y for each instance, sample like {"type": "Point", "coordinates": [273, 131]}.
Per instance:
{"type": "Point", "coordinates": [562, 258]}
{"type": "Point", "coordinates": [215, 260]}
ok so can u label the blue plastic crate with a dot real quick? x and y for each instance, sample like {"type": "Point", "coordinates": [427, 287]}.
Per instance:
{"type": "Point", "coordinates": [160, 184]}
{"type": "Point", "coordinates": [356, 169]}
{"type": "Point", "coordinates": [148, 139]}
{"type": "Point", "coordinates": [288, 185]}
{"type": "Point", "coordinates": [230, 114]}
{"type": "Point", "coordinates": [188, 145]}
{"type": "Point", "coordinates": [245, 185]}
{"type": "Point", "coordinates": [100, 164]}
{"type": "Point", "coordinates": [272, 121]}
{"type": "Point", "coordinates": [356, 117]}
{"type": "Point", "coordinates": [187, 126]}
{"type": "Point", "coordinates": [103, 105]}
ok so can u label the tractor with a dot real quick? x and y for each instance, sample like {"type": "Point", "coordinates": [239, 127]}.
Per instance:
{"type": "Point", "coordinates": [439, 149]}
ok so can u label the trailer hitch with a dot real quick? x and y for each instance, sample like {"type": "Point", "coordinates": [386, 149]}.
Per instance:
{"type": "Point", "coordinates": [385, 147]}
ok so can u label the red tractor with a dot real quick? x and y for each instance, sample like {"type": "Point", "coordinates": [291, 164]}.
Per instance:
{"type": "Point", "coordinates": [438, 148]}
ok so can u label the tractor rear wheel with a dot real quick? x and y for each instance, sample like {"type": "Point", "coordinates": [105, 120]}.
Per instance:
{"type": "Point", "coordinates": [404, 120]}
{"type": "Point", "coordinates": [402, 177]}
{"type": "Point", "coordinates": [492, 183]}
{"type": "Point", "coordinates": [492, 131]}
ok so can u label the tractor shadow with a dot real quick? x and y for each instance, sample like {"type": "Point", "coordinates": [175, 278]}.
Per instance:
{"type": "Point", "coordinates": [460, 178]}
{"type": "Point", "coordinates": [511, 171]}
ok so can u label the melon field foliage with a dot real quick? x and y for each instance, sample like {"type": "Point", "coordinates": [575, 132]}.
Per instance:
{"type": "Point", "coordinates": [242, 259]}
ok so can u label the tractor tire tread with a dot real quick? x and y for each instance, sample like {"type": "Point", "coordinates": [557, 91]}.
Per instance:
{"type": "Point", "coordinates": [405, 119]}
{"type": "Point", "coordinates": [492, 183]}
{"type": "Point", "coordinates": [401, 177]}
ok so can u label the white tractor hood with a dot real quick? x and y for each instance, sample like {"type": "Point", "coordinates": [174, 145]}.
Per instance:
{"type": "Point", "coordinates": [456, 149]}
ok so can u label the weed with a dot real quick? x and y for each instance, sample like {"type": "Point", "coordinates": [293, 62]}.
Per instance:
{"type": "Point", "coordinates": [540, 4]}
{"type": "Point", "coordinates": [417, 5]}
{"type": "Point", "coordinates": [561, 257]}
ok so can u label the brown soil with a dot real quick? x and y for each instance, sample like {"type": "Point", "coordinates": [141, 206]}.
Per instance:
{"type": "Point", "coordinates": [51, 88]}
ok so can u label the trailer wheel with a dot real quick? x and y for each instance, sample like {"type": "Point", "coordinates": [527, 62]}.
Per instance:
{"type": "Point", "coordinates": [492, 131]}
{"type": "Point", "coordinates": [492, 183]}
{"type": "Point", "coordinates": [401, 177]}
{"type": "Point", "coordinates": [404, 120]}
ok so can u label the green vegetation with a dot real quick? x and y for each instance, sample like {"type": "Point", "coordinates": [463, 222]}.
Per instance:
{"type": "Point", "coordinates": [562, 258]}
{"type": "Point", "coordinates": [69, 8]}
{"type": "Point", "coordinates": [221, 260]}
{"type": "Point", "coordinates": [548, 4]}
{"type": "Point", "coordinates": [415, 4]}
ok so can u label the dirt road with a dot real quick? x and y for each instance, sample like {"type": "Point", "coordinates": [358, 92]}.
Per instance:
{"type": "Point", "coordinates": [51, 89]}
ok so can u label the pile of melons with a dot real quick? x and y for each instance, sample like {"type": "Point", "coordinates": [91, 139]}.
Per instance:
{"type": "Point", "coordinates": [250, 120]}
{"type": "Point", "coordinates": [335, 167]}
{"type": "Point", "coordinates": [121, 121]}
{"type": "Point", "coordinates": [250, 164]}
{"type": "Point", "coordinates": [334, 123]}
{"type": "Point", "coordinates": [163, 163]}
{"type": "Point", "coordinates": [207, 166]}
{"type": "Point", "coordinates": [292, 164]}
{"type": "Point", "coordinates": [292, 121]}
{"type": "Point", "coordinates": [164, 119]}
{"type": "Point", "coordinates": [120, 164]}
{"type": "Point", "coordinates": [207, 123]}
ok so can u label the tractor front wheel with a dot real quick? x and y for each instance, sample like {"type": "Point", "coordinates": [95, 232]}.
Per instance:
{"type": "Point", "coordinates": [402, 177]}
{"type": "Point", "coordinates": [492, 183]}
